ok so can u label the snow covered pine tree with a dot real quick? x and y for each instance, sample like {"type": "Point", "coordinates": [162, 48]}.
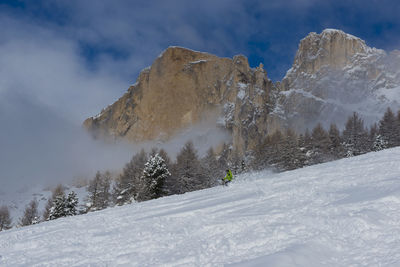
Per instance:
{"type": "Point", "coordinates": [71, 204]}
{"type": "Point", "coordinates": [58, 209]}
{"type": "Point", "coordinates": [155, 173]}
{"type": "Point", "coordinates": [64, 206]}
{"type": "Point", "coordinates": [58, 191]}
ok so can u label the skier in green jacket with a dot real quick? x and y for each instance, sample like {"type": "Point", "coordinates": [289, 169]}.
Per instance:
{"type": "Point", "coordinates": [228, 178]}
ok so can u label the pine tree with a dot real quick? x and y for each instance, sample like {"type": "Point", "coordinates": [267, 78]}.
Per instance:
{"type": "Point", "coordinates": [165, 156]}
{"type": "Point", "coordinates": [355, 136]}
{"type": "Point", "coordinates": [259, 161]}
{"type": "Point", "coordinates": [154, 175]}
{"type": "Point", "coordinates": [47, 208]}
{"type": "Point", "coordinates": [169, 183]}
{"type": "Point", "coordinates": [127, 186]}
{"type": "Point", "coordinates": [71, 204]}
{"type": "Point", "coordinates": [57, 191]}
{"type": "Point", "coordinates": [188, 171]}
{"type": "Point", "coordinates": [380, 143]}
{"type": "Point", "coordinates": [305, 146]}
{"type": "Point", "coordinates": [292, 156]}
{"type": "Point", "coordinates": [58, 209]}
{"type": "Point", "coordinates": [321, 144]}
{"type": "Point", "coordinates": [336, 146]}
{"type": "Point", "coordinates": [99, 191]}
{"type": "Point", "coordinates": [105, 190]}
{"type": "Point", "coordinates": [153, 152]}
{"type": "Point", "coordinates": [211, 169]}
{"type": "Point", "coordinates": [388, 128]}
{"type": "Point", "coordinates": [5, 219]}
{"type": "Point", "coordinates": [273, 156]}
{"type": "Point", "coordinates": [31, 215]}
{"type": "Point", "coordinates": [257, 156]}
{"type": "Point", "coordinates": [373, 133]}
{"type": "Point", "coordinates": [93, 190]}
{"type": "Point", "coordinates": [236, 163]}
{"type": "Point", "coordinates": [299, 157]}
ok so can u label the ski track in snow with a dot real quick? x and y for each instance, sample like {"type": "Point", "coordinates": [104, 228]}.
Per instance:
{"type": "Point", "coordinates": [342, 213]}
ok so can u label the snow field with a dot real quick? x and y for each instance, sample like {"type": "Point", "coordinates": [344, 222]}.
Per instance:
{"type": "Point", "coordinates": [342, 213]}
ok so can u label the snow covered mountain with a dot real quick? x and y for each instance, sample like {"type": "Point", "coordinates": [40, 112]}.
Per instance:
{"type": "Point", "coordinates": [333, 75]}
{"type": "Point", "coordinates": [342, 213]}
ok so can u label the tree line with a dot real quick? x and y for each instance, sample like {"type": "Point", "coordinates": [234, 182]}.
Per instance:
{"type": "Point", "coordinates": [58, 205]}
{"type": "Point", "coordinates": [153, 175]}
{"type": "Point", "coordinates": [288, 151]}
{"type": "Point", "coordinates": [146, 176]}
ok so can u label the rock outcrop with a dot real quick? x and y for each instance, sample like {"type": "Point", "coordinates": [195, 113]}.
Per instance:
{"type": "Point", "coordinates": [333, 75]}
{"type": "Point", "coordinates": [180, 89]}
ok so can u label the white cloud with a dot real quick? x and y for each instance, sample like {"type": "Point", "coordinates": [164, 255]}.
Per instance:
{"type": "Point", "coordinates": [47, 85]}
{"type": "Point", "coordinates": [46, 91]}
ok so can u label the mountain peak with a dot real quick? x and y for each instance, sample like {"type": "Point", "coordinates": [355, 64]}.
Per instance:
{"type": "Point", "coordinates": [181, 50]}
{"type": "Point", "coordinates": [336, 74]}
{"type": "Point", "coordinates": [333, 75]}
{"type": "Point", "coordinates": [183, 88]}
{"type": "Point", "coordinates": [332, 32]}
{"type": "Point", "coordinates": [332, 48]}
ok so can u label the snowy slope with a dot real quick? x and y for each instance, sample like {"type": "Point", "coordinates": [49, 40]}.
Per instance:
{"type": "Point", "coordinates": [343, 213]}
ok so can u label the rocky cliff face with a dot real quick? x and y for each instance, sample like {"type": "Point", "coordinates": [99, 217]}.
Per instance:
{"type": "Point", "coordinates": [333, 75]}
{"type": "Point", "coordinates": [183, 87]}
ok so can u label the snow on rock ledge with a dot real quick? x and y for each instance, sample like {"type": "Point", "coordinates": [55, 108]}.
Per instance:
{"type": "Point", "coordinates": [334, 48]}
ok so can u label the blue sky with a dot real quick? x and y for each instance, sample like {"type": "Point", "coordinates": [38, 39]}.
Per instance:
{"type": "Point", "coordinates": [130, 34]}
{"type": "Point", "coordinates": [63, 61]}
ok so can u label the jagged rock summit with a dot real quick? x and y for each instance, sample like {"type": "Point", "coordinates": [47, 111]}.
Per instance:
{"type": "Point", "coordinates": [183, 87]}
{"type": "Point", "coordinates": [332, 48]}
{"type": "Point", "coordinates": [327, 51]}
{"type": "Point", "coordinates": [333, 75]}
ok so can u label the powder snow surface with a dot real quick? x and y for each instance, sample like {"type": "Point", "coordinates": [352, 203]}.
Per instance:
{"type": "Point", "coordinates": [343, 213]}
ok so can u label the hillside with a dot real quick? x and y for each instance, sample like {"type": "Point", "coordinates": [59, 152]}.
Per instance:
{"type": "Point", "coordinates": [342, 213]}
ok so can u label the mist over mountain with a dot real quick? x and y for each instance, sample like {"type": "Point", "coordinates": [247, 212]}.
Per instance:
{"type": "Point", "coordinates": [248, 132]}
{"type": "Point", "coordinates": [333, 75]}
